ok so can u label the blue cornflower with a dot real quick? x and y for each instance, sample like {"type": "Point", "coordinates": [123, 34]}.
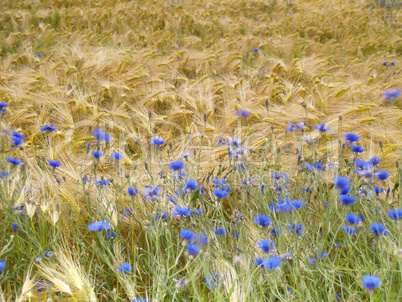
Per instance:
{"type": "Point", "coordinates": [258, 261]}
{"type": "Point", "coordinates": [181, 211]}
{"type": "Point", "coordinates": [371, 282]}
{"type": "Point", "coordinates": [220, 141]}
{"type": "Point", "coordinates": [139, 299]}
{"type": "Point", "coordinates": [190, 184]}
{"type": "Point", "coordinates": [163, 216]}
{"type": "Point", "coordinates": [132, 191]}
{"type": "Point", "coordinates": [124, 268]}
{"type": "Point", "coordinates": [110, 235]}
{"type": "Point", "coordinates": [221, 192]}
{"type": "Point", "coordinates": [384, 63]}
{"type": "Point", "coordinates": [357, 149]}
{"type": "Point", "coordinates": [201, 239]}
{"type": "Point", "coordinates": [322, 128]}
{"type": "Point", "coordinates": [349, 230]}
{"type": "Point", "coordinates": [199, 212]}
{"type": "Point", "coordinates": [266, 245]}
{"type": "Point", "coordinates": [234, 141]}
{"type": "Point", "coordinates": [102, 182]}
{"type": "Point", "coordinates": [378, 190]}
{"type": "Point", "coordinates": [3, 105]}
{"type": "Point", "coordinates": [283, 205]}
{"type": "Point", "coordinates": [100, 135]}
{"type": "Point", "coordinates": [353, 218]}
{"type": "Point", "coordinates": [392, 94]}
{"type": "Point", "coordinates": [176, 165]}
{"type": "Point", "coordinates": [299, 229]}
{"type": "Point", "coordinates": [381, 174]}
{"type": "Point", "coordinates": [193, 249]}
{"type": "Point", "coordinates": [272, 262]}
{"type": "Point", "coordinates": [244, 113]}
{"type": "Point", "coordinates": [341, 182]}
{"type": "Point", "coordinates": [297, 204]}
{"type": "Point", "coordinates": [262, 220]}
{"type": "Point", "coordinates": [97, 154]}
{"type": "Point", "coordinates": [3, 174]}
{"type": "Point", "coordinates": [42, 286]}
{"type": "Point", "coordinates": [54, 163]}
{"type": "Point", "coordinates": [116, 155]}
{"type": "Point", "coordinates": [99, 226]}
{"type": "Point", "coordinates": [256, 49]}
{"type": "Point", "coordinates": [378, 229]}
{"type": "Point", "coordinates": [157, 140]}
{"type": "Point", "coordinates": [14, 161]}
{"type": "Point", "coordinates": [17, 140]}
{"type": "Point", "coordinates": [276, 231]}
{"type": "Point", "coordinates": [375, 160]}
{"type": "Point", "coordinates": [48, 128]}
{"type": "Point", "coordinates": [347, 199]}
{"type": "Point", "coordinates": [352, 137]}
{"type": "Point", "coordinates": [221, 231]}
{"type": "Point", "coordinates": [317, 257]}
{"type": "Point", "coordinates": [185, 155]}
{"type": "Point", "coordinates": [187, 235]}
{"type": "Point", "coordinates": [152, 192]}
{"type": "Point", "coordinates": [292, 127]}
{"type": "Point", "coordinates": [86, 179]}
{"type": "Point", "coordinates": [213, 282]}
{"type": "Point", "coordinates": [219, 182]}
{"type": "Point", "coordinates": [395, 214]}
{"type": "Point", "coordinates": [14, 227]}
{"type": "Point", "coordinates": [3, 265]}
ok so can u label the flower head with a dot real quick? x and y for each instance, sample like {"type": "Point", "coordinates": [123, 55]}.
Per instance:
{"type": "Point", "coordinates": [214, 282]}
{"type": "Point", "coordinates": [381, 174]}
{"type": "Point", "coordinates": [262, 220]}
{"type": "Point", "coordinates": [14, 161]}
{"type": "Point", "coordinates": [124, 268]}
{"type": "Point", "coordinates": [54, 163]}
{"type": "Point", "coordinates": [181, 211]}
{"type": "Point", "coordinates": [176, 165]}
{"type": "Point", "coordinates": [392, 94]}
{"type": "Point", "coordinates": [157, 140]}
{"type": "Point", "coordinates": [357, 149]}
{"type": "Point", "coordinates": [371, 282]}
{"type": "Point", "coordinates": [190, 184]}
{"type": "Point", "coordinates": [266, 245]}
{"type": "Point", "coordinates": [395, 214]}
{"type": "Point", "coordinates": [48, 128]}
{"type": "Point", "coordinates": [378, 229]}
{"type": "Point", "coordinates": [132, 191]}
{"type": "Point", "coordinates": [100, 135]}
{"type": "Point", "coordinates": [221, 192]}
{"type": "Point", "coordinates": [193, 249]}
{"type": "Point", "coordinates": [244, 113]}
{"type": "Point", "coordinates": [152, 192]}
{"type": "Point", "coordinates": [97, 154]}
{"type": "Point", "coordinates": [347, 199]}
{"type": "Point", "coordinates": [116, 155]}
{"type": "Point", "coordinates": [322, 128]}
{"type": "Point", "coordinates": [352, 137]}
{"type": "Point", "coordinates": [353, 218]}
{"type": "Point", "coordinates": [99, 226]}
{"type": "Point", "coordinates": [187, 235]}
{"type": "Point", "coordinates": [349, 230]}
{"type": "Point", "coordinates": [272, 262]}
{"type": "Point", "coordinates": [3, 265]}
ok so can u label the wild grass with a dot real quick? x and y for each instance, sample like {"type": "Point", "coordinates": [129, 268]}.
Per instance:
{"type": "Point", "coordinates": [181, 70]}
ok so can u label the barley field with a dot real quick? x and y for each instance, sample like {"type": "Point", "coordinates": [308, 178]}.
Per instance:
{"type": "Point", "coordinates": [200, 150]}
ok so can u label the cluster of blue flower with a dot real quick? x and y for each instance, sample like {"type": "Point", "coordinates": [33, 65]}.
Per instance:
{"type": "Point", "coordinates": [283, 209]}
